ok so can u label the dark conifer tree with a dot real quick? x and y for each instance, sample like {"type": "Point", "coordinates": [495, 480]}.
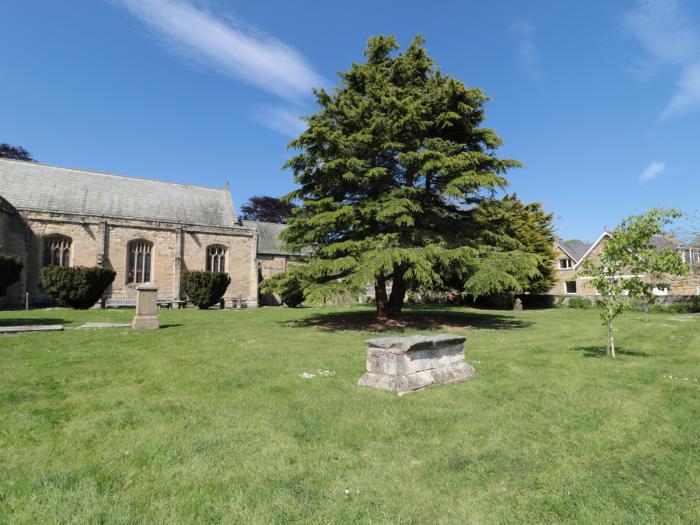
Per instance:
{"type": "Point", "coordinates": [390, 170]}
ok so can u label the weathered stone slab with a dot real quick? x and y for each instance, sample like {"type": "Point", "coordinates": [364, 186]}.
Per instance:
{"type": "Point", "coordinates": [105, 325]}
{"type": "Point", "coordinates": [146, 308]}
{"type": "Point", "coordinates": [31, 328]}
{"type": "Point", "coordinates": [405, 364]}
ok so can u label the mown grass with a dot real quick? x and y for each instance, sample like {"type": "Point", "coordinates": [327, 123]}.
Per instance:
{"type": "Point", "coordinates": [207, 420]}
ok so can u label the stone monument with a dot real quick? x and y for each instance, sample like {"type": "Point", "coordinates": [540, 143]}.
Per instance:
{"type": "Point", "coordinates": [146, 308]}
{"type": "Point", "coordinates": [405, 364]}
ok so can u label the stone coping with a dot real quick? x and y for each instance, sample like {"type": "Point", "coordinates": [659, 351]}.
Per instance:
{"type": "Point", "coordinates": [105, 325]}
{"type": "Point", "coordinates": [31, 328]}
{"type": "Point", "coordinates": [417, 342]}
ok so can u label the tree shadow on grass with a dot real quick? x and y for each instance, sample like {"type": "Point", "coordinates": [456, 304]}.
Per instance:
{"type": "Point", "coordinates": [30, 322]}
{"type": "Point", "coordinates": [602, 351]}
{"type": "Point", "coordinates": [366, 321]}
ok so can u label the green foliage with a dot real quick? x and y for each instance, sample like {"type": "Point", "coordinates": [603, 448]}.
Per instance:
{"type": "Point", "coordinates": [78, 286]}
{"type": "Point", "coordinates": [289, 285]}
{"type": "Point", "coordinates": [580, 303]}
{"type": "Point", "coordinates": [390, 169]}
{"type": "Point", "coordinates": [686, 306]}
{"type": "Point", "coordinates": [691, 306]}
{"type": "Point", "coordinates": [512, 224]}
{"type": "Point", "coordinates": [205, 289]}
{"type": "Point", "coordinates": [630, 266]}
{"type": "Point", "coordinates": [10, 272]}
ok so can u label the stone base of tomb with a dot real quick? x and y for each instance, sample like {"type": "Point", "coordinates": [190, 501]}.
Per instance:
{"type": "Point", "coordinates": [145, 322]}
{"type": "Point", "coordinates": [405, 364]}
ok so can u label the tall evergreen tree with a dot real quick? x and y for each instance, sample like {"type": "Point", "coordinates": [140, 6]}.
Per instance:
{"type": "Point", "coordinates": [527, 227]}
{"type": "Point", "coordinates": [390, 170]}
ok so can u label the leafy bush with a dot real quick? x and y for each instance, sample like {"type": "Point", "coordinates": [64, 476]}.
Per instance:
{"type": "Point", "coordinates": [685, 307]}
{"type": "Point", "coordinates": [689, 306]}
{"type": "Point", "coordinates": [205, 289]}
{"type": "Point", "coordinates": [79, 286]}
{"type": "Point", "coordinates": [580, 303]}
{"type": "Point", "coordinates": [10, 272]}
{"type": "Point", "coordinates": [289, 285]}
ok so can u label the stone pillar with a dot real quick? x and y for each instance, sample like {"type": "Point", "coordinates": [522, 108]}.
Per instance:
{"type": "Point", "coordinates": [252, 301]}
{"type": "Point", "coordinates": [146, 308]}
{"type": "Point", "coordinates": [177, 265]}
{"type": "Point", "coordinates": [405, 364]}
{"type": "Point", "coordinates": [102, 248]}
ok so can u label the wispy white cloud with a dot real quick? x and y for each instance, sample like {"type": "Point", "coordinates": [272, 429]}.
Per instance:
{"type": "Point", "coordinates": [653, 170]}
{"type": "Point", "coordinates": [687, 95]}
{"type": "Point", "coordinates": [527, 53]}
{"type": "Point", "coordinates": [662, 29]}
{"type": "Point", "coordinates": [670, 40]}
{"type": "Point", "coordinates": [283, 120]}
{"type": "Point", "coordinates": [243, 52]}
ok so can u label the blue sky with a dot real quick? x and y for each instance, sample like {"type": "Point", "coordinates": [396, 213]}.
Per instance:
{"type": "Point", "coordinates": [601, 100]}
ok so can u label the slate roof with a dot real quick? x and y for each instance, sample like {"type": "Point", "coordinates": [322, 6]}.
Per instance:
{"type": "Point", "coordinates": [659, 241]}
{"type": "Point", "coordinates": [269, 242]}
{"type": "Point", "coordinates": [40, 187]}
{"type": "Point", "coordinates": [576, 249]}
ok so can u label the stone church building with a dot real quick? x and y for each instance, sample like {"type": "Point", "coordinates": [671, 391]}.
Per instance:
{"type": "Point", "coordinates": [145, 230]}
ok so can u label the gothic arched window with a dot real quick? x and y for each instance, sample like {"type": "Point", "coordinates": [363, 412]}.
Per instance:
{"type": "Point", "coordinates": [216, 258]}
{"type": "Point", "coordinates": [140, 258]}
{"type": "Point", "coordinates": [57, 250]}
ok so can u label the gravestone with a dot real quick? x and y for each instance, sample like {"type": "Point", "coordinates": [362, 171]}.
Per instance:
{"type": "Point", "coordinates": [405, 364]}
{"type": "Point", "coordinates": [518, 306]}
{"type": "Point", "coordinates": [146, 308]}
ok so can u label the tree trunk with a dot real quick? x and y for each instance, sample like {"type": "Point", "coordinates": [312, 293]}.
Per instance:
{"type": "Point", "coordinates": [646, 312]}
{"type": "Point", "coordinates": [611, 340]}
{"type": "Point", "coordinates": [398, 294]}
{"type": "Point", "coordinates": [381, 298]}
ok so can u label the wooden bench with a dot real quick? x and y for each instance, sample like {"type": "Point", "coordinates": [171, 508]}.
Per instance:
{"type": "Point", "coordinates": [115, 302]}
{"type": "Point", "coordinates": [170, 303]}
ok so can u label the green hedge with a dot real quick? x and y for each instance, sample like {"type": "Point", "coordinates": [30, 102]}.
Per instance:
{"type": "Point", "coordinates": [10, 272]}
{"type": "Point", "coordinates": [78, 286]}
{"type": "Point", "coordinates": [205, 289]}
{"type": "Point", "coordinates": [580, 303]}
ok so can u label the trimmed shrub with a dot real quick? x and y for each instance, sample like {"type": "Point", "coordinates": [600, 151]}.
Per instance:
{"type": "Point", "coordinates": [78, 286]}
{"type": "Point", "coordinates": [10, 272]}
{"type": "Point", "coordinates": [205, 289]}
{"type": "Point", "coordinates": [580, 303]}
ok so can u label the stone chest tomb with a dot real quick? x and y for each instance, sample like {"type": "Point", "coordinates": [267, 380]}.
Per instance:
{"type": "Point", "coordinates": [405, 364]}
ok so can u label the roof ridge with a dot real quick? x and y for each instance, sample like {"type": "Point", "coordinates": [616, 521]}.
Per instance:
{"type": "Point", "coordinates": [116, 175]}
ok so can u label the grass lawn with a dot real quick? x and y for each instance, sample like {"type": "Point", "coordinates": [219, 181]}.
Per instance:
{"type": "Point", "coordinates": [208, 420]}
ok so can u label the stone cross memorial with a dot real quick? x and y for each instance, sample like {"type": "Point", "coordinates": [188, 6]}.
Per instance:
{"type": "Point", "coordinates": [405, 364]}
{"type": "Point", "coordinates": [146, 308]}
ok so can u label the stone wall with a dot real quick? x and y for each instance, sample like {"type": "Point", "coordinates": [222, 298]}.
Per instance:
{"type": "Point", "coordinates": [405, 364]}
{"type": "Point", "coordinates": [13, 241]}
{"type": "Point", "coordinates": [268, 266]}
{"type": "Point", "coordinates": [104, 241]}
